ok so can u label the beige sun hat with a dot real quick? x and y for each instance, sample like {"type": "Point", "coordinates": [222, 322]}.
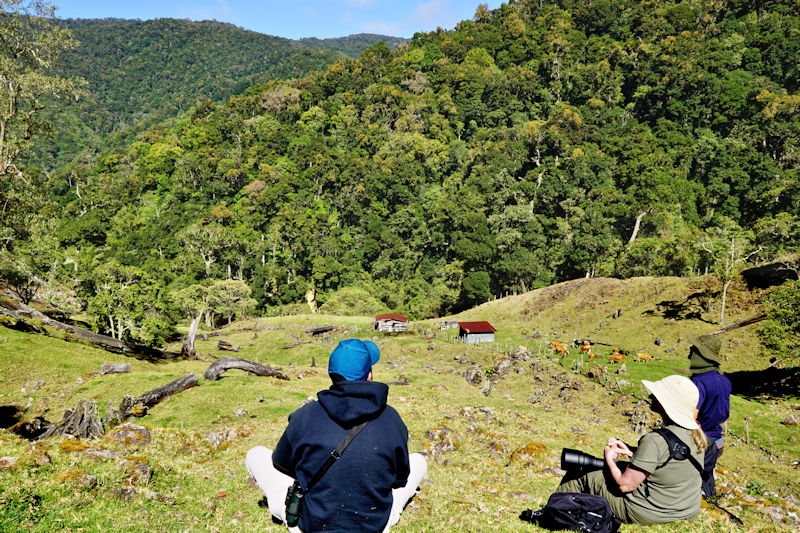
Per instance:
{"type": "Point", "coordinates": [678, 396]}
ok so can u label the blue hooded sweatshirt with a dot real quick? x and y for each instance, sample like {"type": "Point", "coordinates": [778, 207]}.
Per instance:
{"type": "Point", "coordinates": [355, 494]}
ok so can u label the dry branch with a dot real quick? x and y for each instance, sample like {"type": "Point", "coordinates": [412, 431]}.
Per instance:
{"type": "Point", "coordinates": [217, 368]}
{"type": "Point", "coordinates": [298, 343]}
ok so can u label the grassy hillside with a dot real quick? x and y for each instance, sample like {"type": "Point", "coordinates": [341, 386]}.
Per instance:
{"type": "Point", "coordinates": [490, 457]}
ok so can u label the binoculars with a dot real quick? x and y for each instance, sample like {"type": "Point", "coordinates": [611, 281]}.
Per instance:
{"type": "Point", "coordinates": [572, 459]}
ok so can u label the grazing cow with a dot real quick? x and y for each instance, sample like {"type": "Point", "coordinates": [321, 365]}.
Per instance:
{"type": "Point", "coordinates": [586, 347]}
{"type": "Point", "coordinates": [616, 357]}
{"type": "Point", "coordinates": [641, 357]}
{"type": "Point", "coordinates": [560, 348]}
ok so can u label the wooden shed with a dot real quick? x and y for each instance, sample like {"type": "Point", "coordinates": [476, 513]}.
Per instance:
{"type": "Point", "coordinates": [474, 332]}
{"type": "Point", "coordinates": [391, 322]}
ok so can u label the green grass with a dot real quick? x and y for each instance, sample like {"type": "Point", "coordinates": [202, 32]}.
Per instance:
{"type": "Point", "coordinates": [476, 487]}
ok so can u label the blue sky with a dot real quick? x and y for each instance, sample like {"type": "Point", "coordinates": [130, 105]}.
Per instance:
{"type": "Point", "coordinates": [294, 18]}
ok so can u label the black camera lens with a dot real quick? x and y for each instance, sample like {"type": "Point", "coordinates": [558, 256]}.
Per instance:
{"type": "Point", "coordinates": [571, 459]}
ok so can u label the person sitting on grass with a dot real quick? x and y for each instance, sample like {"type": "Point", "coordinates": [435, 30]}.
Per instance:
{"type": "Point", "coordinates": [655, 487]}
{"type": "Point", "coordinates": [367, 488]}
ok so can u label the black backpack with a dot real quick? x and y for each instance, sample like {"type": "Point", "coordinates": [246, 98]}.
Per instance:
{"type": "Point", "coordinates": [575, 511]}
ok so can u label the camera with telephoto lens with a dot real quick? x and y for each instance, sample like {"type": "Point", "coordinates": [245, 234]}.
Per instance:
{"type": "Point", "coordinates": [294, 499]}
{"type": "Point", "coordinates": [573, 459]}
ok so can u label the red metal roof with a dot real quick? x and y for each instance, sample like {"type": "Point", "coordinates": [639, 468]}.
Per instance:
{"type": "Point", "coordinates": [476, 327]}
{"type": "Point", "coordinates": [391, 316]}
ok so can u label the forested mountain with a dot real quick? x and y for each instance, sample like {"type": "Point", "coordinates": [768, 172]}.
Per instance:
{"type": "Point", "coordinates": [142, 72]}
{"type": "Point", "coordinates": [353, 45]}
{"type": "Point", "coordinates": [539, 142]}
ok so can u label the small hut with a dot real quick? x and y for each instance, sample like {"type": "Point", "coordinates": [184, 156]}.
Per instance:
{"type": "Point", "coordinates": [474, 332]}
{"type": "Point", "coordinates": [390, 322]}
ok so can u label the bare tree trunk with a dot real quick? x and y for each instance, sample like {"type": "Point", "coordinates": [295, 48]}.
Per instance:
{"type": "Point", "coordinates": [724, 296]}
{"type": "Point", "coordinates": [636, 226]}
{"type": "Point", "coordinates": [187, 350]}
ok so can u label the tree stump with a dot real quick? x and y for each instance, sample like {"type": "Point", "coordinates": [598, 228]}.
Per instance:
{"type": "Point", "coordinates": [80, 421]}
{"type": "Point", "coordinates": [217, 368]}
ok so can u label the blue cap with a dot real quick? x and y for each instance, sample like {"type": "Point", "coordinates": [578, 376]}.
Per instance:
{"type": "Point", "coordinates": [353, 359]}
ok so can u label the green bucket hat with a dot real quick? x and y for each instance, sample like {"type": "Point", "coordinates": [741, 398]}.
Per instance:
{"type": "Point", "coordinates": [708, 346]}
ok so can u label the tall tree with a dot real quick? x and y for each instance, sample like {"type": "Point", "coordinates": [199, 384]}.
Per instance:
{"type": "Point", "coordinates": [728, 247]}
{"type": "Point", "coordinates": [29, 47]}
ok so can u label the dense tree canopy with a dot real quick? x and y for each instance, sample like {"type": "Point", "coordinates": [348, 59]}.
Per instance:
{"type": "Point", "coordinates": [140, 73]}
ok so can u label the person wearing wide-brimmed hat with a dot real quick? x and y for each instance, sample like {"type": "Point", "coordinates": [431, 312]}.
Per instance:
{"type": "Point", "coordinates": [655, 487]}
{"type": "Point", "coordinates": [714, 404]}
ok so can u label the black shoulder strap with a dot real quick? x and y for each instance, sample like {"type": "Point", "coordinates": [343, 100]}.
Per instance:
{"type": "Point", "coordinates": [678, 449]}
{"type": "Point", "coordinates": [335, 454]}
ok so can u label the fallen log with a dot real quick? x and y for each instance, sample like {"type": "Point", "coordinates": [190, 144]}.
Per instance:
{"type": "Point", "coordinates": [217, 368]}
{"type": "Point", "coordinates": [80, 421]}
{"type": "Point", "coordinates": [225, 345]}
{"type": "Point", "coordinates": [319, 330]}
{"type": "Point", "coordinates": [130, 406]}
{"type": "Point", "coordinates": [151, 398]}
{"type": "Point", "coordinates": [298, 343]}
{"type": "Point", "coordinates": [741, 324]}
{"type": "Point", "coordinates": [30, 317]}
{"type": "Point", "coordinates": [672, 348]}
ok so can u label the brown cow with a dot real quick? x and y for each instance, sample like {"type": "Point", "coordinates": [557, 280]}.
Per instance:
{"type": "Point", "coordinates": [616, 357]}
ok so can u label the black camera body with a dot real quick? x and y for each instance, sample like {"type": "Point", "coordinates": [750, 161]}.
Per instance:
{"type": "Point", "coordinates": [574, 459]}
{"type": "Point", "coordinates": [294, 500]}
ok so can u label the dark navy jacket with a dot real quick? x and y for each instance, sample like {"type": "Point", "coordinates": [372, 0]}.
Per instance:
{"type": "Point", "coordinates": [714, 406]}
{"type": "Point", "coordinates": [355, 494]}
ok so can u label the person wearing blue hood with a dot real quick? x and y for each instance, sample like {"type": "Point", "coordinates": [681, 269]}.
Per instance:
{"type": "Point", "coordinates": [368, 487]}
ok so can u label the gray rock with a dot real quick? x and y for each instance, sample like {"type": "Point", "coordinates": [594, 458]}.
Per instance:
{"type": "Point", "coordinates": [474, 375]}
{"type": "Point", "coordinates": [139, 474]}
{"type": "Point", "coordinates": [775, 514]}
{"type": "Point", "coordinates": [791, 420]}
{"type": "Point", "coordinates": [123, 494]}
{"type": "Point", "coordinates": [130, 435]}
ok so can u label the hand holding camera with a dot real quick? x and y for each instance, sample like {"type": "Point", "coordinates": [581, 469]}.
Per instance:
{"type": "Point", "coordinates": [615, 448]}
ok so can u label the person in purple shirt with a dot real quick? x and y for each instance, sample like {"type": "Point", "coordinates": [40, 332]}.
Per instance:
{"type": "Point", "coordinates": [714, 405]}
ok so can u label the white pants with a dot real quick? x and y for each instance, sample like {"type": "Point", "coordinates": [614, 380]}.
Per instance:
{"type": "Point", "coordinates": [274, 484]}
